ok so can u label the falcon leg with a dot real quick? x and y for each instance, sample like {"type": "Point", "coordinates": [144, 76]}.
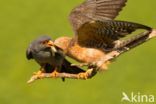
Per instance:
{"type": "Point", "coordinates": [104, 61]}
{"type": "Point", "coordinates": [112, 55]}
{"type": "Point", "coordinates": [102, 64]}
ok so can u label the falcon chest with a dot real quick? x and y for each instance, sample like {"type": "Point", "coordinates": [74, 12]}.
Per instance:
{"type": "Point", "coordinates": [86, 55]}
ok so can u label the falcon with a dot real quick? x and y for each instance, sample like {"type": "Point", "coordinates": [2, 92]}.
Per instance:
{"type": "Point", "coordinates": [49, 57]}
{"type": "Point", "coordinates": [98, 38]}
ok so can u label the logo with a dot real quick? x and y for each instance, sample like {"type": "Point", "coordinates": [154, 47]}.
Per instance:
{"type": "Point", "coordinates": [137, 98]}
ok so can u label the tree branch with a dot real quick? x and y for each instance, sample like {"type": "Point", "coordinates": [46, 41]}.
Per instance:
{"type": "Point", "coordinates": [48, 75]}
{"type": "Point", "coordinates": [82, 75]}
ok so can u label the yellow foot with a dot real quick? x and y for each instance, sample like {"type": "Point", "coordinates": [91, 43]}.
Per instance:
{"type": "Point", "coordinates": [54, 73]}
{"type": "Point", "coordinates": [38, 74]}
{"type": "Point", "coordinates": [85, 75]}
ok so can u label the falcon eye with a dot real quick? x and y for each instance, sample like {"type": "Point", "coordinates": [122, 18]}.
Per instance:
{"type": "Point", "coordinates": [45, 42]}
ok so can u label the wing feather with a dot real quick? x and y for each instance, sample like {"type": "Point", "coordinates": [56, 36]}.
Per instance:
{"type": "Point", "coordinates": [95, 10]}
{"type": "Point", "coordinates": [100, 34]}
{"type": "Point", "coordinates": [94, 26]}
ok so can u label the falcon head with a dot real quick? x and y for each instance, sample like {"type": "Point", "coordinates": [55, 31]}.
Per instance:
{"type": "Point", "coordinates": [44, 44]}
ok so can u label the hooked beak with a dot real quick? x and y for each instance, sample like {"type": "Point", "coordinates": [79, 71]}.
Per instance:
{"type": "Point", "coordinates": [50, 43]}
{"type": "Point", "coordinates": [52, 46]}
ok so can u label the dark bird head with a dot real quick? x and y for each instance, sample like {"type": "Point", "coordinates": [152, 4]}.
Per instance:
{"type": "Point", "coordinates": [43, 43]}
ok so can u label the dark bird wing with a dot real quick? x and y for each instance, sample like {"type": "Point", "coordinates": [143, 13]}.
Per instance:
{"type": "Point", "coordinates": [29, 53]}
{"type": "Point", "coordinates": [65, 67]}
{"type": "Point", "coordinates": [94, 26]}
{"type": "Point", "coordinates": [68, 68]}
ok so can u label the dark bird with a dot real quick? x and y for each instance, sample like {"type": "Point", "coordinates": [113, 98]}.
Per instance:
{"type": "Point", "coordinates": [49, 57]}
{"type": "Point", "coordinates": [45, 54]}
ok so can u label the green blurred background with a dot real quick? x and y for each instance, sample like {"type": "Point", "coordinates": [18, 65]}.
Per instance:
{"type": "Point", "coordinates": [23, 20]}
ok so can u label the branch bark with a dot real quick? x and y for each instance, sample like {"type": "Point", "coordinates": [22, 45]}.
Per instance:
{"type": "Point", "coordinates": [48, 75]}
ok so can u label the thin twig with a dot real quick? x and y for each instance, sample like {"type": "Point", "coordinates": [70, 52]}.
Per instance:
{"type": "Point", "coordinates": [48, 75]}
{"type": "Point", "coordinates": [88, 74]}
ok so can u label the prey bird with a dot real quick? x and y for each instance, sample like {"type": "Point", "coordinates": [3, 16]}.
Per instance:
{"type": "Point", "coordinates": [49, 57]}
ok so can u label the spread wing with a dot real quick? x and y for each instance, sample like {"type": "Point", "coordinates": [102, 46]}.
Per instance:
{"type": "Point", "coordinates": [94, 26]}
{"type": "Point", "coordinates": [92, 10]}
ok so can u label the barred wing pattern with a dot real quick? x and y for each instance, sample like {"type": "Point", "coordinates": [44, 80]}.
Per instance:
{"type": "Point", "coordinates": [102, 34]}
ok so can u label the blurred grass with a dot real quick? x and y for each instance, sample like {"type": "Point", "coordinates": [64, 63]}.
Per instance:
{"type": "Point", "coordinates": [21, 21]}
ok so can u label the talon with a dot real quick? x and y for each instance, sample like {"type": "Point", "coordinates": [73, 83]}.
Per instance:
{"type": "Point", "coordinates": [89, 72]}
{"type": "Point", "coordinates": [38, 73]}
{"type": "Point", "coordinates": [54, 73]}
{"type": "Point", "coordinates": [85, 75]}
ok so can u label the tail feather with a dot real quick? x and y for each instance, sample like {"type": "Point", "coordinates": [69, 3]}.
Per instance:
{"type": "Point", "coordinates": [132, 40]}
